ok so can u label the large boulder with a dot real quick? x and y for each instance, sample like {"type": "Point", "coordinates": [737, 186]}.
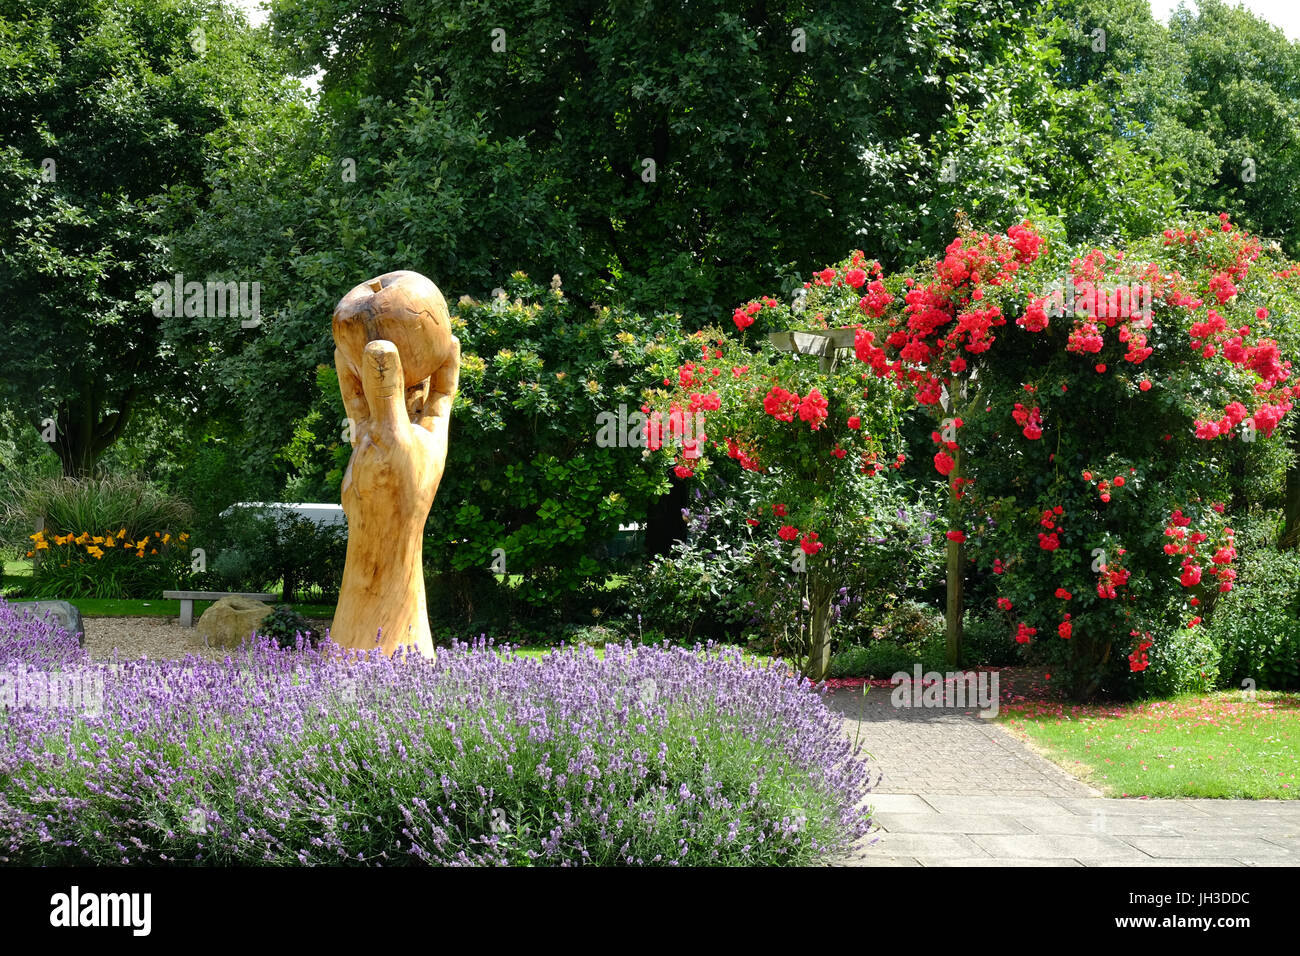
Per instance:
{"type": "Point", "coordinates": [63, 612]}
{"type": "Point", "coordinates": [230, 621]}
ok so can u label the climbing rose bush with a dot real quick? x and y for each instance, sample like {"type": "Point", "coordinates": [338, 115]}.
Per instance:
{"type": "Point", "coordinates": [1095, 399]}
{"type": "Point", "coordinates": [1080, 400]}
{"type": "Point", "coordinates": [816, 447]}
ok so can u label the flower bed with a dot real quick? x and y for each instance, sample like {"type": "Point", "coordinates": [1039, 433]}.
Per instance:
{"type": "Point", "coordinates": [649, 756]}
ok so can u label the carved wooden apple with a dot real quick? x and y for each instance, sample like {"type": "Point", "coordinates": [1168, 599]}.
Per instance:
{"type": "Point", "coordinates": [401, 307]}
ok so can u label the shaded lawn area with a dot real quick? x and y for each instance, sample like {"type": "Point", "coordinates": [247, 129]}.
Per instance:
{"type": "Point", "coordinates": [1200, 745]}
{"type": "Point", "coordinates": [131, 607]}
{"type": "Point", "coordinates": [539, 651]}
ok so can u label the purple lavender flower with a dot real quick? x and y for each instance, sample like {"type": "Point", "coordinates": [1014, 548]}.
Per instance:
{"type": "Point", "coordinates": [301, 756]}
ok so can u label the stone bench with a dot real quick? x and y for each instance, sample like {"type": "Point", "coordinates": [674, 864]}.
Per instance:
{"type": "Point", "coordinates": [187, 599]}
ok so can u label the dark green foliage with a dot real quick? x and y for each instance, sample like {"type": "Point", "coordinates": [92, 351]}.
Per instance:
{"type": "Point", "coordinates": [260, 548]}
{"type": "Point", "coordinates": [1182, 662]}
{"type": "Point", "coordinates": [287, 627]}
{"type": "Point", "coordinates": [1257, 625]}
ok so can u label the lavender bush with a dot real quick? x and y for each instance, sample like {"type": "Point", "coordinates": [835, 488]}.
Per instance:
{"type": "Point", "coordinates": [290, 756]}
{"type": "Point", "coordinates": [36, 642]}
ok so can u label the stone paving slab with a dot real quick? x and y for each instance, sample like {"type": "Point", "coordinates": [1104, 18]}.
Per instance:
{"type": "Point", "coordinates": [957, 790]}
{"type": "Point", "coordinates": [1168, 862]}
{"type": "Point", "coordinates": [947, 823]}
{"type": "Point", "coordinates": [1055, 847]}
{"type": "Point", "coordinates": [996, 861]}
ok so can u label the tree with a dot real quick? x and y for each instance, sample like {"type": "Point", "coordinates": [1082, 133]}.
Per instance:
{"type": "Point", "coordinates": [104, 108]}
{"type": "Point", "coordinates": [690, 172]}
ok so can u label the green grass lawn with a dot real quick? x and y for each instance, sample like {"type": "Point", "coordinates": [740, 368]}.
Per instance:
{"type": "Point", "coordinates": [541, 650]}
{"type": "Point", "coordinates": [1206, 745]}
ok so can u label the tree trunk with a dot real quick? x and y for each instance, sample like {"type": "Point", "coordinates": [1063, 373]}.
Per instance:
{"type": "Point", "coordinates": [81, 434]}
{"type": "Point", "coordinates": [820, 592]}
{"type": "Point", "coordinates": [955, 604]}
{"type": "Point", "coordinates": [956, 555]}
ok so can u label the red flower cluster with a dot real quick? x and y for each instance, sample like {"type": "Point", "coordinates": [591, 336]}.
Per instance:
{"type": "Point", "coordinates": [744, 315]}
{"type": "Point", "coordinates": [1030, 421]}
{"type": "Point", "coordinates": [1137, 661]}
{"type": "Point", "coordinates": [812, 409]}
{"type": "Point", "coordinates": [781, 404]}
{"type": "Point", "coordinates": [876, 301]}
{"type": "Point", "coordinates": [1186, 543]}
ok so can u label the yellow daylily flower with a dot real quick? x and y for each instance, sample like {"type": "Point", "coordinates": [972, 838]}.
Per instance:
{"type": "Point", "coordinates": [184, 536]}
{"type": "Point", "coordinates": [98, 539]}
{"type": "Point", "coordinates": [109, 542]}
{"type": "Point", "coordinates": [141, 543]}
{"type": "Point", "coordinates": [82, 538]}
{"type": "Point", "coordinates": [37, 536]}
{"type": "Point", "coordinates": [140, 553]}
{"type": "Point", "coordinates": [167, 537]}
{"type": "Point", "coordinates": [95, 552]}
{"type": "Point", "coordinates": [121, 532]}
{"type": "Point", "coordinates": [42, 545]}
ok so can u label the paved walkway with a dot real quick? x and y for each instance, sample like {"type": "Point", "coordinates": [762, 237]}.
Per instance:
{"type": "Point", "coordinates": [958, 790]}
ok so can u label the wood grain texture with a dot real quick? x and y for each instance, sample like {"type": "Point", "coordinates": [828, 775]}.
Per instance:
{"type": "Point", "coordinates": [398, 367]}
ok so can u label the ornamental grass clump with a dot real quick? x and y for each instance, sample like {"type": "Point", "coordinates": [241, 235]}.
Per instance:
{"type": "Point", "coordinates": [649, 756]}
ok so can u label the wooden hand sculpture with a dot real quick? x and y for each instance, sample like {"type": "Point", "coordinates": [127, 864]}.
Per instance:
{"type": "Point", "coordinates": [398, 366]}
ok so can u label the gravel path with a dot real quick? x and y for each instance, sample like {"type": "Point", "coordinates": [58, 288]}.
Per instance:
{"type": "Point", "coordinates": [160, 638]}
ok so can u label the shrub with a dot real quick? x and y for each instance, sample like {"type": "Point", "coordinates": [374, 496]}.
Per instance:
{"type": "Point", "coordinates": [481, 758]}
{"type": "Point", "coordinates": [1257, 625]}
{"type": "Point", "coordinates": [909, 624]}
{"type": "Point", "coordinates": [1081, 400]}
{"type": "Point", "coordinates": [536, 468]}
{"type": "Point", "coordinates": [1184, 662]}
{"type": "Point", "coordinates": [107, 537]}
{"type": "Point", "coordinates": [730, 580]}
{"type": "Point", "coordinates": [108, 564]}
{"type": "Point", "coordinates": [286, 626]}
{"type": "Point", "coordinates": [880, 660]}
{"type": "Point", "coordinates": [985, 643]}
{"type": "Point", "coordinates": [257, 547]}
{"type": "Point", "coordinates": [904, 635]}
